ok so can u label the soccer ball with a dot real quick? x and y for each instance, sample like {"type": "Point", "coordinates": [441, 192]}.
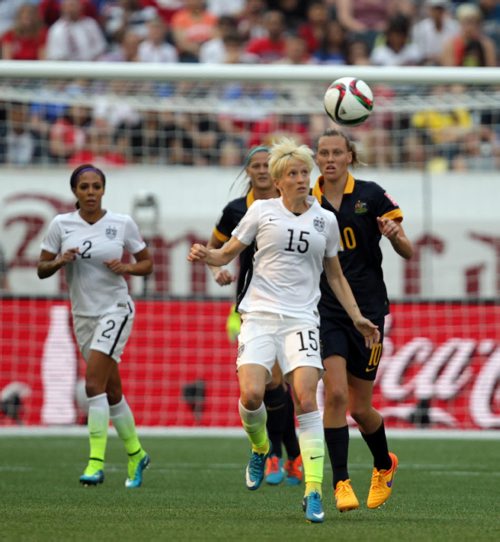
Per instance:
{"type": "Point", "coordinates": [348, 101]}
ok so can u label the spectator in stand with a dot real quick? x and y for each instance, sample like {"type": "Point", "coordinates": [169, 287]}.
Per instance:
{"type": "Point", "coordinates": [192, 26]}
{"type": "Point", "coordinates": [213, 50]}
{"type": "Point", "coordinates": [74, 36]}
{"type": "Point", "coordinates": [396, 51]}
{"type": "Point", "coordinates": [233, 51]}
{"type": "Point", "coordinates": [367, 18]}
{"type": "Point", "coordinates": [443, 130]}
{"type": "Point", "coordinates": [8, 13]}
{"type": "Point", "coordinates": [67, 135]}
{"type": "Point", "coordinates": [50, 10]}
{"type": "Point", "coordinates": [127, 15]}
{"type": "Point", "coordinates": [333, 47]}
{"type": "Point", "coordinates": [357, 52]}
{"type": "Point", "coordinates": [128, 49]}
{"type": "Point", "coordinates": [155, 47]}
{"type": "Point", "coordinates": [490, 10]}
{"type": "Point", "coordinates": [430, 33]}
{"type": "Point", "coordinates": [270, 48]}
{"type": "Point", "coordinates": [26, 40]}
{"type": "Point", "coordinates": [251, 23]}
{"type": "Point", "coordinates": [99, 148]}
{"type": "Point", "coordinates": [470, 47]}
{"type": "Point", "coordinates": [294, 12]}
{"type": "Point", "coordinates": [20, 141]}
{"type": "Point", "coordinates": [315, 28]}
{"type": "Point", "coordinates": [295, 51]}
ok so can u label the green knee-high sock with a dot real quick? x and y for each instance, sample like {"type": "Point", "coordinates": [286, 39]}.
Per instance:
{"type": "Point", "coordinates": [124, 423]}
{"type": "Point", "coordinates": [254, 423]}
{"type": "Point", "coordinates": [98, 421]}
{"type": "Point", "coordinates": [312, 447]}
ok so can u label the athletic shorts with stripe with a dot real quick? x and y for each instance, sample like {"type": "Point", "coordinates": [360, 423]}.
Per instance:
{"type": "Point", "coordinates": [108, 333]}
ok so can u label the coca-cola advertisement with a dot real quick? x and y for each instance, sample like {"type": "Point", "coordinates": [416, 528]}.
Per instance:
{"type": "Point", "coordinates": [440, 368]}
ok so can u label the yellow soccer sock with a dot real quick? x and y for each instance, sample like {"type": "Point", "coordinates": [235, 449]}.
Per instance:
{"type": "Point", "coordinates": [254, 423]}
{"type": "Point", "coordinates": [312, 446]}
{"type": "Point", "coordinates": [124, 423]}
{"type": "Point", "coordinates": [98, 421]}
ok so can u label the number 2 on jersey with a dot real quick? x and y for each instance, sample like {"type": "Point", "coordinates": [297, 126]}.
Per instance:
{"type": "Point", "coordinates": [88, 245]}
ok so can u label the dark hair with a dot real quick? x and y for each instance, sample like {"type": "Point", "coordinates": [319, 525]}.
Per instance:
{"type": "Point", "coordinates": [73, 180]}
{"type": "Point", "coordinates": [351, 147]}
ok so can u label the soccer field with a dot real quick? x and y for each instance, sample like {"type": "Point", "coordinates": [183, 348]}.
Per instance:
{"type": "Point", "coordinates": [194, 490]}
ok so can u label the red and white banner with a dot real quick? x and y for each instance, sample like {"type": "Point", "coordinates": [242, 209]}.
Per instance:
{"type": "Point", "coordinates": [440, 367]}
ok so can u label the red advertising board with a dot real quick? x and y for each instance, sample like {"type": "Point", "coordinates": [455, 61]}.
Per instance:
{"type": "Point", "coordinates": [440, 367]}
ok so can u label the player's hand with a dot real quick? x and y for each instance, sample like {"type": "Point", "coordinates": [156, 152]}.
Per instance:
{"type": "Point", "coordinates": [369, 331]}
{"type": "Point", "coordinates": [198, 253]}
{"type": "Point", "coordinates": [69, 256]}
{"type": "Point", "coordinates": [388, 228]}
{"type": "Point", "coordinates": [233, 324]}
{"type": "Point", "coordinates": [117, 266]}
{"type": "Point", "coordinates": [223, 277]}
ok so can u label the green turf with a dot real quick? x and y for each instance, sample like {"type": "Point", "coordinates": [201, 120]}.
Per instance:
{"type": "Point", "coordinates": [194, 490]}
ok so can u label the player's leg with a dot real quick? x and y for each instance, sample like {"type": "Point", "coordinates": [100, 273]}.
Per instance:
{"type": "Point", "coordinates": [276, 409]}
{"type": "Point", "coordinates": [304, 381]}
{"type": "Point", "coordinates": [335, 350]}
{"type": "Point", "coordinates": [371, 425]}
{"type": "Point", "coordinates": [293, 465]}
{"type": "Point", "coordinates": [337, 430]}
{"type": "Point", "coordinates": [252, 379]}
{"type": "Point", "coordinates": [99, 367]}
{"type": "Point", "coordinates": [123, 420]}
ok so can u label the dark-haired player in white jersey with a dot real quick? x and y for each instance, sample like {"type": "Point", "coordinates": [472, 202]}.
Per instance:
{"type": "Point", "coordinates": [295, 239]}
{"type": "Point", "coordinates": [89, 244]}
{"type": "Point", "coordinates": [277, 399]}
{"type": "Point", "coordinates": [365, 212]}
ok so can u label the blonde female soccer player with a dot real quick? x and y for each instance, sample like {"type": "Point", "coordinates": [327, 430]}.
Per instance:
{"type": "Point", "coordinates": [89, 244]}
{"type": "Point", "coordinates": [295, 239]}
{"type": "Point", "coordinates": [277, 399]}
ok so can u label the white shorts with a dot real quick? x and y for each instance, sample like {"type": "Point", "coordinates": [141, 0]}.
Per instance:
{"type": "Point", "coordinates": [266, 338]}
{"type": "Point", "coordinates": [108, 333]}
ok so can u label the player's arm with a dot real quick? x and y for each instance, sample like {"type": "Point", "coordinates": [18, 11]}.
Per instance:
{"type": "Point", "coordinates": [340, 287]}
{"type": "Point", "coordinates": [142, 266]}
{"type": "Point", "coordinates": [217, 256]}
{"type": "Point", "coordinates": [221, 276]}
{"type": "Point", "coordinates": [393, 230]}
{"type": "Point", "coordinates": [49, 263]}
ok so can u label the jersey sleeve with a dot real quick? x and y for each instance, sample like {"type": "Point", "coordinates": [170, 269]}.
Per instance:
{"type": "Point", "coordinates": [53, 238]}
{"type": "Point", "coordinates": [133, 240]}
{"type": "Point", "coordinates": [386, 206]}
{"type": "Point", "coordinates": [225, 224]}
{"type": "Point", "coordinates": [246, 230]}
{"type": "Point", "coordinates": [333, 239]}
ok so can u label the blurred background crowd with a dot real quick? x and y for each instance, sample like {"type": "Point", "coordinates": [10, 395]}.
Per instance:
{"type": "Point", "coordinates": [291, 32]}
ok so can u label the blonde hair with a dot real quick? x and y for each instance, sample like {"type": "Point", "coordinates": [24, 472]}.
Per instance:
{"type": "Point", "coordinates": [285, 150]}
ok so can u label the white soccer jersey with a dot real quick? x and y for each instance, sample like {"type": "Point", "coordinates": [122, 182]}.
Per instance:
{"type": "Point", "coordinates": [93, 288]}
{"type": "Point", "coordinates": [289, 256]}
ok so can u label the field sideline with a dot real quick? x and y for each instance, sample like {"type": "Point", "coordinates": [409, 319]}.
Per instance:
{"type": "Point", "coordinates": [445, 489]}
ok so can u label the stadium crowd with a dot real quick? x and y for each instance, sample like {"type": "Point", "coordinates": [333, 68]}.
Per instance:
{"type": "Point", "coordinates": [326, 32]}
